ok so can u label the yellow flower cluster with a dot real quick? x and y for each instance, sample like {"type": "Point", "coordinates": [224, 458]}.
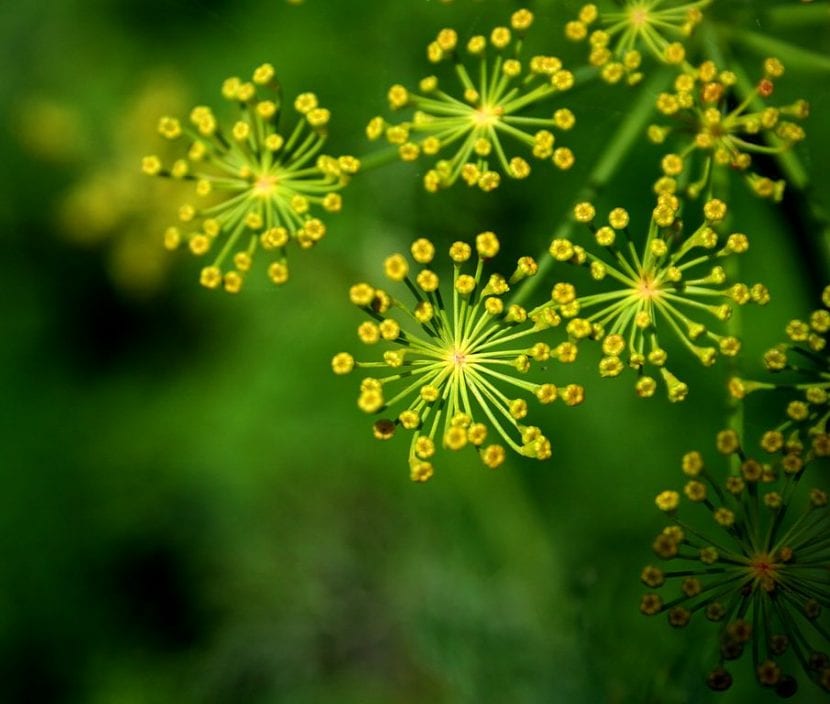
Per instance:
{"type": "Point", "coordinates": [457, 360]}
{"type": "Point", "coordinates": [749, 560]}
{"type": "Point", "coordinates": [804, 358]}
{"type": "Point", "coordinates": [489, 109]}
{"type": "Point", "coordinates": [256, 187]}
{"type": "Point", "coordinates": [111, 204]}
{"type": "Point", "coordinates": [657, 290]}
{"type": "Point", "coordinates": [654, 26]}
{"type": "Point", "coordinates": [722, 131]}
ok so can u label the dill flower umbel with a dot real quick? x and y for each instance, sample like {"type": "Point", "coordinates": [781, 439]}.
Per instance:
{"type": "Point", "coordinates": [751, 557]}
{"type": "Point", "coordinates": [259, 186]}
{"type": "Point", "coordinates": [655, 26]}
{"type": "Point", "coordinates": [453, 371]}
{"type": "Point", "coordinates": [110, 205]}
{"type": "Point", "coordinates": [715, 129]}
{"type": "Point", "coordinates": [488, 111]}
{"type": "Point", "coordinates": [673, 286]}
{"type": "Point", "coordinates": [804, 358]}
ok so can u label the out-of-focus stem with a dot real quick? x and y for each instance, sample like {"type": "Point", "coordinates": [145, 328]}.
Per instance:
{"type": "Point", "coordinates": [793, 56]}
{"type": "Point", "coordinates": [798, 15]}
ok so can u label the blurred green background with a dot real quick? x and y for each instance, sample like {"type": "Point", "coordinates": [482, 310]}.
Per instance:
{"type": "Point", "coordinates": [192, 507]}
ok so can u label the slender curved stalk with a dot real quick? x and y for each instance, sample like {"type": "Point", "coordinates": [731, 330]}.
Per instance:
{"type": "Point", "coordinates": [798, 15]}
{"type": "Point", "coordinates": [797, 178]}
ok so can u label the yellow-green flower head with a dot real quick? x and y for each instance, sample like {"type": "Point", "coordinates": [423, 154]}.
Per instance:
{"type": "Point", "coordinates": [258, 182]}
{"type": "Point", "coordinates": [804, 362]}
{"type": "Point", "coordinates": [752, 557]}
{"type": "Point", "coordinates": [112, 205]}
{"type": "Point", "coordinates": [714, 129]}
{"type": "Point", "coordinates": [455, 361]}
{"type": "Point", "coordinates": [470, 129]}
{"type": "Point", "coordinates": [657, 27]}
{"type": "Point", "coordinates": [673, 285]}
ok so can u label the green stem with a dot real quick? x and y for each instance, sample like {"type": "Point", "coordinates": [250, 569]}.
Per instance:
{"type": "Point", "coordinates": [797, 178]}
{"type": "Point", "coordinates": [787, 160]}
{"type": "Point", "coordinates": [793, 56]}
{"type": "Point", "coordinates": [379, 158]}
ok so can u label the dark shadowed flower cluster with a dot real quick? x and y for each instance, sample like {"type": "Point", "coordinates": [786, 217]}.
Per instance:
{"type": "Point", "coordinates": [751, 554]}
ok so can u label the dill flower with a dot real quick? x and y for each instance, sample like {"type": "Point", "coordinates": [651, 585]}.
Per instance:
{"type": "Point", "coordinates": [49, 130]}
{"type": "Point", "coordinates": [674, 285]}
{"type": "Point", "coordinates": [804, 357]}
{"type": "Point", "coordinates": [476, 123]}
{"type": "Point", "coordinates": [752, 557]}
{"type": "Point", "coordinates": [716, 130]}
{"type": "Point", "coordinates": [256, 186]}
{"type": "Point", "coordinates": [110, 206]}
{"type": "Point", "coordinates": [454, 365]}
{"type": "Point", "coordinates": [655, 26]}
